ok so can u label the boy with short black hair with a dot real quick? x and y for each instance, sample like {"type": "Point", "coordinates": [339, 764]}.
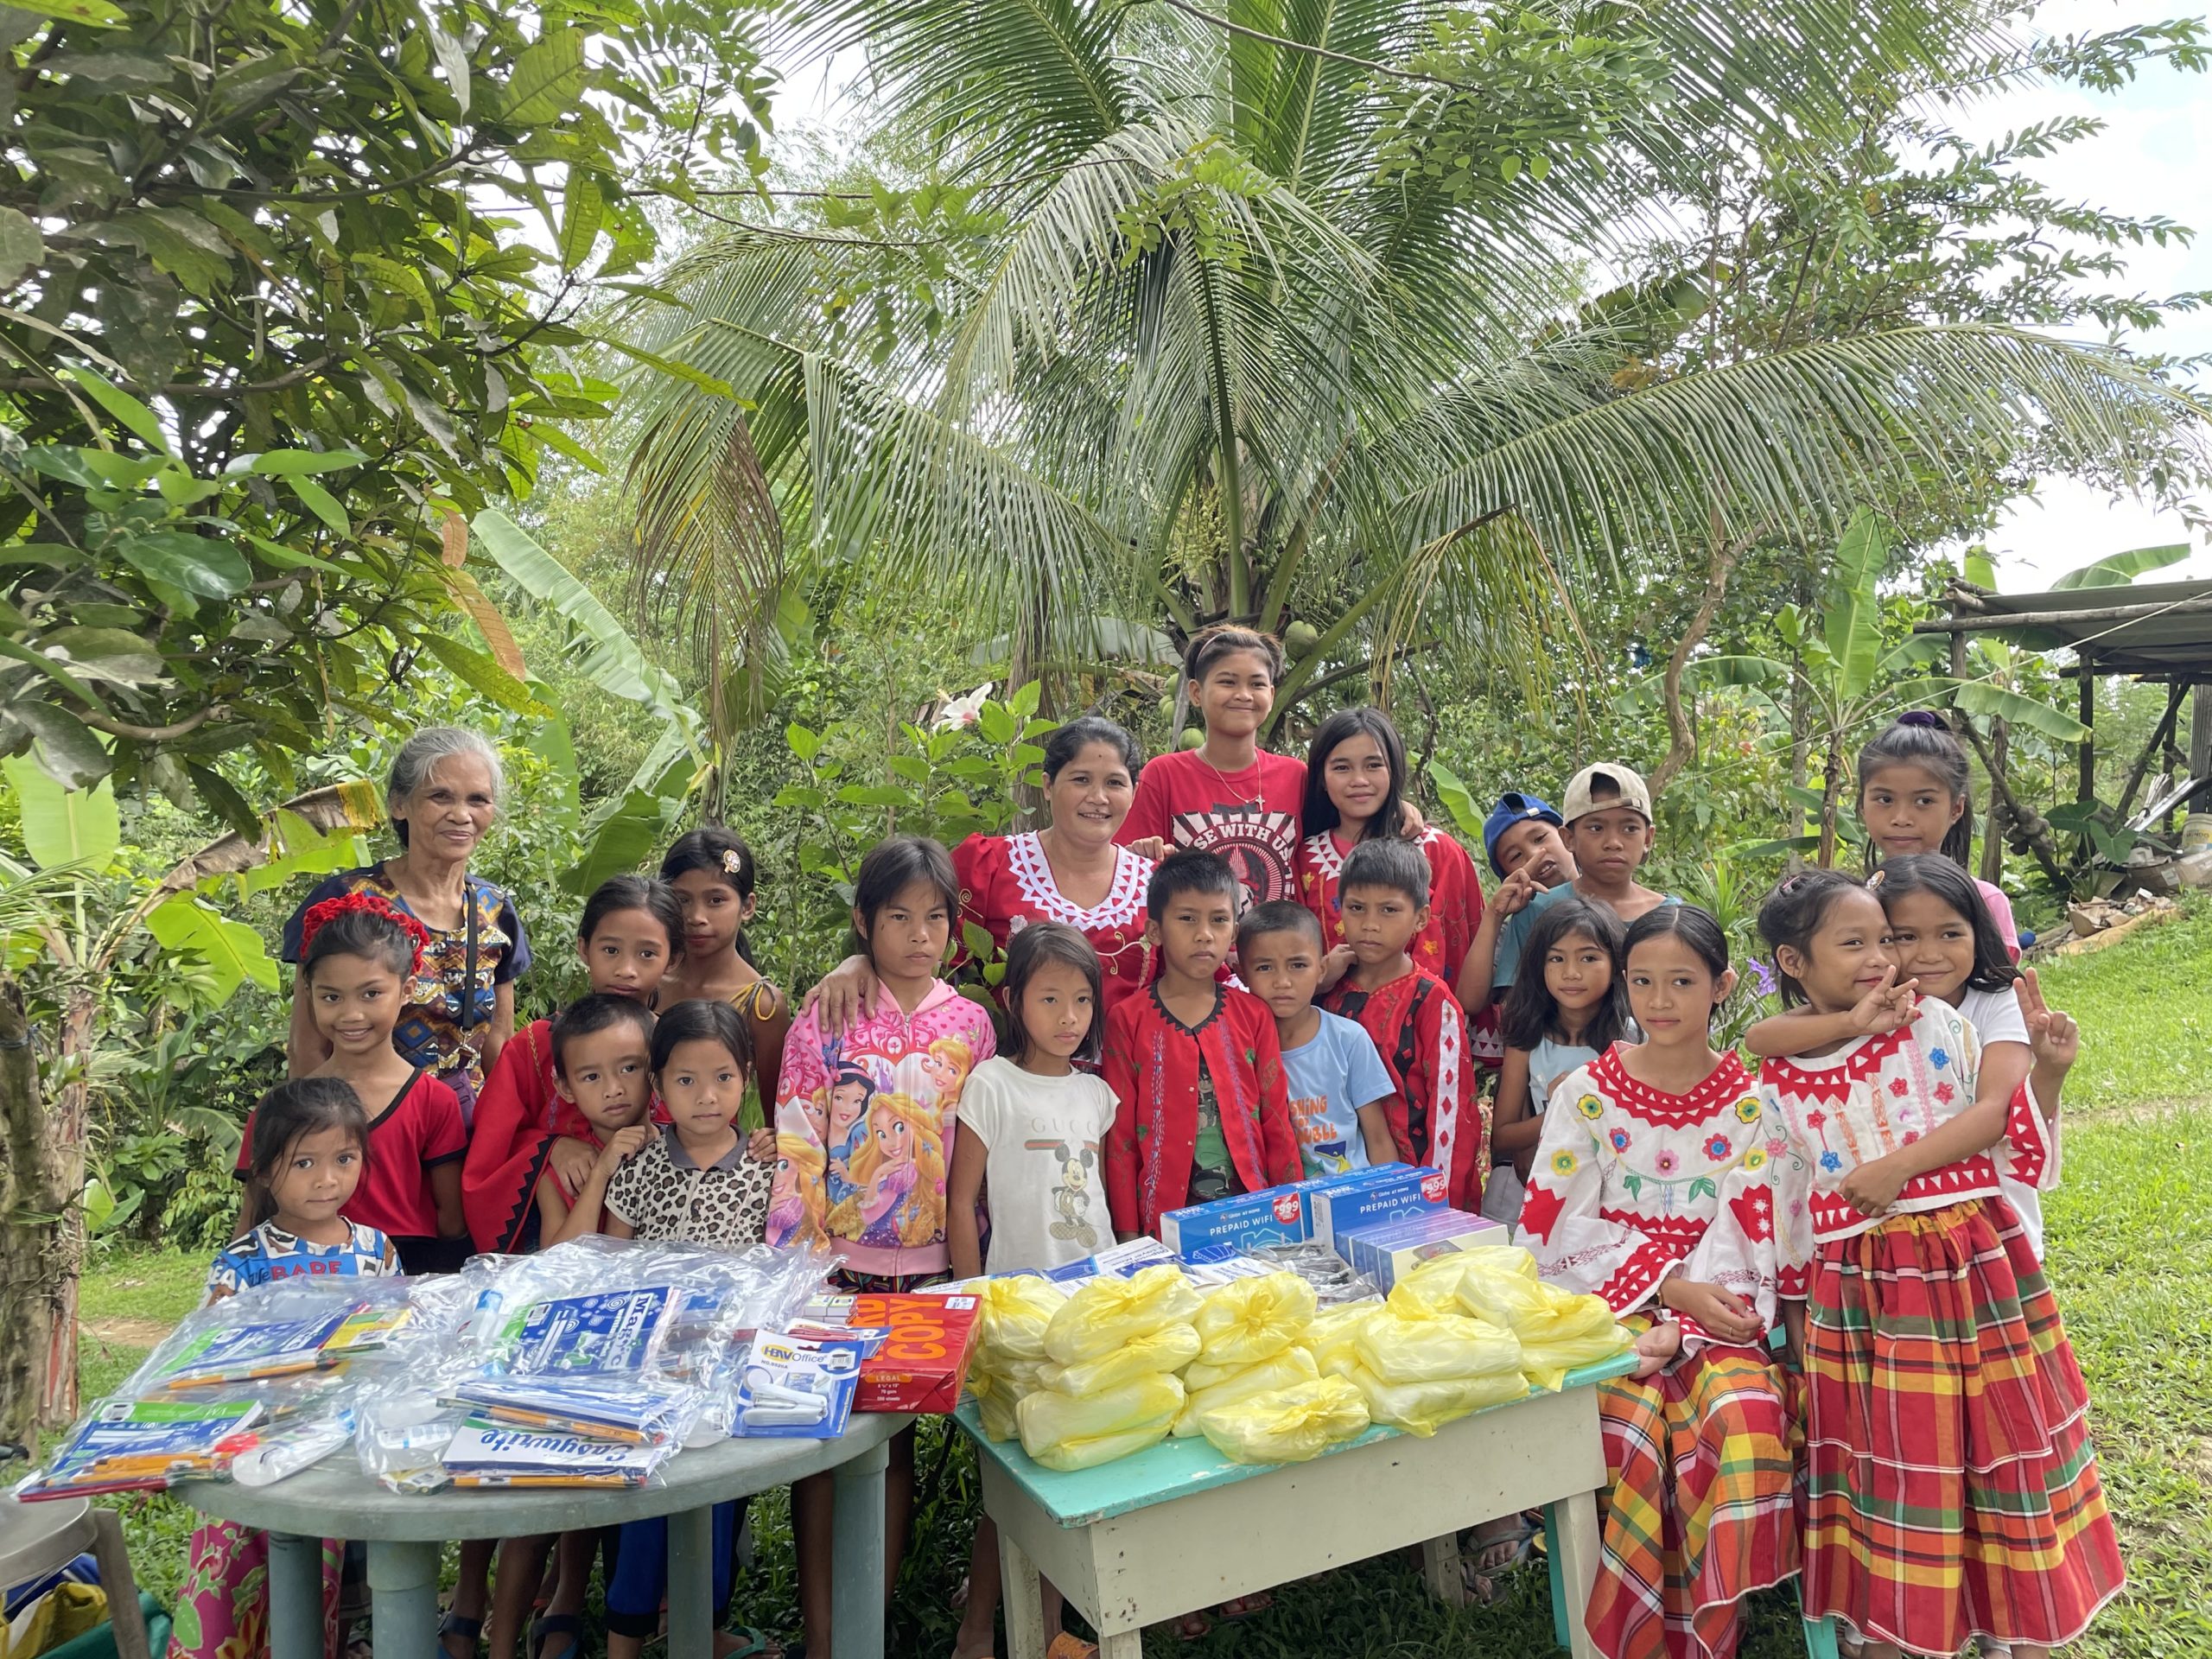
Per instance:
{"type": "Point", "coordinates": [1411, 1016]}
{"type": "Point", "coordinates": [1340, 1092]}
{"type": "Point", "coordinates": [1204, 1111]}
{"type": "Point", "coordinates": [603, 1065]}
{"type": "Point", "coordinates": [1606, 835]}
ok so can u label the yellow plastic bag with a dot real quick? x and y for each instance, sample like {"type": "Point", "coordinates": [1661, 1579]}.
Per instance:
{"type": "Point", "coordinates": [1107, 1313]}
{"type": "Point", "coordinates": [1062, 1432]}
{"type": "Point", "coordinates": [1331, 1339]}
{"type": "Point", "coordinates": [1406, 1343]}
{"type": "Point", "coordinates": [1532, 1310]}
{"type": "Point", "coordinates": [1276, 1371]}
{"type": "Point", "coordinates": [996, 1411]}
{"type": "Point", "coordinates": [1288, 1425]}
{"type": "Point", "coordinates": [1011, 1318]}
{"type": "Point", "coordinates": [1547, 1364]}
{"type": "Point", "coordinates": [1168, 1349]}
{"type": "Point", "coordinates": [1423, 1407]}
{"type": "Point", "coordinates": [1248, 1320]}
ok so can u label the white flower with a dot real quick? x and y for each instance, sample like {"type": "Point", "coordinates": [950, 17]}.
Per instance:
{"type": "Point", "coordinates": [961, 711]}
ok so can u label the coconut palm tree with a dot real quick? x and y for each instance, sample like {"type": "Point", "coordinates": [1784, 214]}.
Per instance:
{"type": "Point", "coordinates": [1270, 311]}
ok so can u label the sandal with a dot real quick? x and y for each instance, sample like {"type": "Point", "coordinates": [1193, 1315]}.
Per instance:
{"type": "Point", "coordinates": [470, 1630]}
{"type": "Point", "coordinates": [751, 1644]}
{"type": "Point", "coordinates": [1484, 1571]}
{"type": "Point", "coordinates": [1068, 1645]}
{"type": "Point", "coordinates": [1193, 1627]}
{"type": "Point", "coordinates": [566, 1624]}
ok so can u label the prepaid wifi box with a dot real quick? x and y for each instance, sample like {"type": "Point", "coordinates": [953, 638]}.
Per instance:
{"type": "Point", "coordinates": [1386, 1254]}
{"type": "Point", "coordinates": [1369, 1197]}
{"type": "Point", "coordinates": [1231, 1226]}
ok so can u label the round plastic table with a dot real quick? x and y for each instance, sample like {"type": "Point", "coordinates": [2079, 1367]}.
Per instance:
{"type": "Point", "coordinates": [335, 1500]}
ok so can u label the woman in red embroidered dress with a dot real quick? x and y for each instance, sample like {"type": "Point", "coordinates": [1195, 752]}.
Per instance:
{"type": "Point", "coordinates": [1642, 1149]}
{"type": "Point", "coordinates": [1069, 872]}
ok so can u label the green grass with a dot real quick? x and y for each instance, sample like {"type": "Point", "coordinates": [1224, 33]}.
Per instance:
{"type": "Point", "coordinates": [2131, 1240]}
{"type": "Point", "coordinates": [2144, 1006]}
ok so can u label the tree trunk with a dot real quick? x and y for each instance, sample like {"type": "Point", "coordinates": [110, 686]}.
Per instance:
{"type": "Point", "coordinates": [1831, 797]}
{"type": "Point", "coordinates": [41, 1224]}
{"type": "Point", "coordinates": [1026, 659]}
{"type": "Point", "coordinates": [1681, 731]}
{"type": "Point", "coordinates": [1801, 759]}
{"type": "Point", "coordinates": [1992, 835]}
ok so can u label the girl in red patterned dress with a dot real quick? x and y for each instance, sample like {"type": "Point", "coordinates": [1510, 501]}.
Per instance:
{"type": "Point", "coordinates": [1642, 1149]}
{"type": "Point", "coordinates": [1953, 1492]}
{"type": "Point", "coordinates": [1354, 791]}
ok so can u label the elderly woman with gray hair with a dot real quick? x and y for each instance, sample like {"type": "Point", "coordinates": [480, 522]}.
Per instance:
{"type": "Point", "coordinates": [459, 1011]}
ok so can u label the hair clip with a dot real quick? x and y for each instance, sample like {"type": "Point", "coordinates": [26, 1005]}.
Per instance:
{"type": "Point", "coordinates": [366, 904]}
{"type": "Point", "coordinates": [1874, 880]}
{"type": "Point", "coordinates": [733, 862]}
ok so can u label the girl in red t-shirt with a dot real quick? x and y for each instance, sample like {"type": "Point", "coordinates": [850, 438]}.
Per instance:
{"type": "Point", "coordinates": [357, 955]}
{"type": "Point", "coordinates": [1354, 791]}
{"type": "Point", "coordinates": [1228, 797]}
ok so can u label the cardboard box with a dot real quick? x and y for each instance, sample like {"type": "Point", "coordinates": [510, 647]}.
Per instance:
{"type": "Point", "coordinates": [1372, 1197]}
{"type": "Point", "coordinates": [924, 1362]}
{"type": "Point", "coordinates": [1230, 1226]}
{"type": "Point", "coordinates": [1385, 1253]}
{"type": "Point", "coordinates": [1121, 1261]}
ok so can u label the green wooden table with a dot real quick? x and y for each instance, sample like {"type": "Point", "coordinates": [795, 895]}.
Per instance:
{"type": "Point", "coordinates": [404, 1533]}
{"type": "Point", "coordinates": [1179, 1528]}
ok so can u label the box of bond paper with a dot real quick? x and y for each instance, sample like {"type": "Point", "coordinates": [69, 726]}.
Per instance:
{"type": "Point", "coordinates": [1231, 1226]}
{"type": "Point", "coordinates": [1372, 1197]}
{"type": "Point", "coordinates": [1386, 1252]}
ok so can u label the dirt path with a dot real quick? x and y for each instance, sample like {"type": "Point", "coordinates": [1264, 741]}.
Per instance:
{"type": "Point", "coordinates": [125, 1333]}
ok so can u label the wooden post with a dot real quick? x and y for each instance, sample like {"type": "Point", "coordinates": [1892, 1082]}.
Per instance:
{"type": "Point", "coordinates": [2159, 734]}
{"type": "Point", "coordinates": [2088, 790]}
{"type": "Point", "coordinates": [2199, 733]}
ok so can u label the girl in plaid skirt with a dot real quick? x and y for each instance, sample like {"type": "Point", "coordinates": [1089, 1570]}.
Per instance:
{"type": "Point", "coordinates": [1952, 1491]}
{"type": "Point", "coordinates": [1642, 1149]}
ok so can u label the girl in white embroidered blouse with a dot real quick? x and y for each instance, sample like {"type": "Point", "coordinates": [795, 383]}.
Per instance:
{"type": "Point", "coordinates": [1643, 1149]}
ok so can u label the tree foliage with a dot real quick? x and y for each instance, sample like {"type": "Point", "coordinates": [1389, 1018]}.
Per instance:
{"type": "Point", "coordinates": [1280, 312]}
{"type": "Point", "coordinates": [285, 286]}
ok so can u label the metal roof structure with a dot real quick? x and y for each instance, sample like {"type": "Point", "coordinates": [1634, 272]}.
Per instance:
{"type": "Point", "coordinates": [2154, 631]}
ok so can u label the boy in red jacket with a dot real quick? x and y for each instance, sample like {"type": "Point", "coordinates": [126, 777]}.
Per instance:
{"type": "Point", "coordinates": [1415, 1019]}
{"type": "Point", "coordinates": [1203, 1111]}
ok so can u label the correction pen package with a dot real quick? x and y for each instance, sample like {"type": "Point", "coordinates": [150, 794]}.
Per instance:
{"type": "Point", "coordinates": [797, 1388]}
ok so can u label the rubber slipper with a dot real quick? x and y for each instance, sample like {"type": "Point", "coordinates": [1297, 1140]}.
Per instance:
{"type": "Point", "coordinates": [1068, 1645]}
{"type": "Point", "coordinates": [566, 1624]}
{"type": "Point", "coordinates": [470, 1630]}
{"type": "Point", "coordinates": [754, 1645]}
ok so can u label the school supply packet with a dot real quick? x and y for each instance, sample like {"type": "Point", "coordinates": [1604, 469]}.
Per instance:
{"type": "Point", "coordinates": [639, 1409]}
{"type": "Point", "coordinates": [251, 1353]}
{"type": "Point", "coordinates": [493, 1454]}
{"type": "Point", "coordinates": [612, 1331]}
{"type": "Point", "coordinates": [124, 1445]}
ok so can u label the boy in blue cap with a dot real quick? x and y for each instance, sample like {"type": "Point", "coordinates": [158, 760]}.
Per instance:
{"type": "Point", "coordinates": [1522, 836]}
{"type": "Point", "coordinates": [1594, 849]}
